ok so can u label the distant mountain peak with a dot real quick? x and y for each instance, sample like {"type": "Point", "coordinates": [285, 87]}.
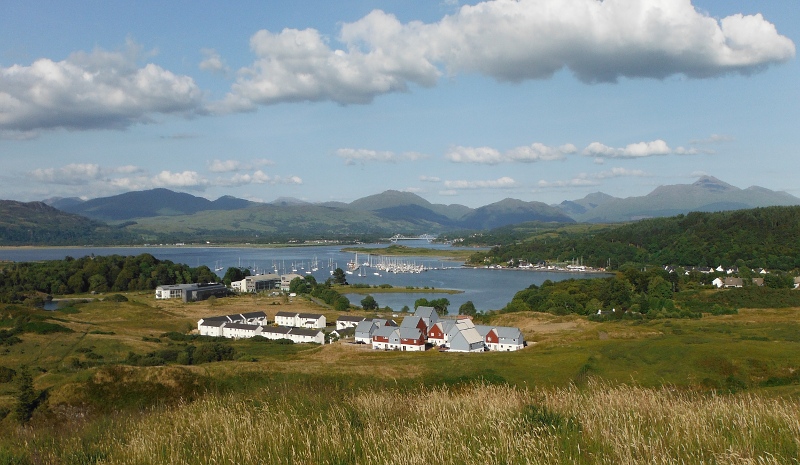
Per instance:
{"type": "Point", "coordinates": [713, 184]}
{"type": "Point", "coordinates": [286, 201]}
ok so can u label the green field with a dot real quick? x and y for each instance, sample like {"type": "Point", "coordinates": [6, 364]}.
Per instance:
{"type": "Point", "coordinates": [720, 389]}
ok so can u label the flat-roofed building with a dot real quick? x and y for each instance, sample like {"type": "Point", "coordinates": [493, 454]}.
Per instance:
{"type": "Point", "coordinates": [191, 292]}
{"type": "Point", "coordinates": [257, 283]}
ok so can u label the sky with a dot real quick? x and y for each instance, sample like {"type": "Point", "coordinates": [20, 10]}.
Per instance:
{"type": "Point", "coordinates": [460, 102]}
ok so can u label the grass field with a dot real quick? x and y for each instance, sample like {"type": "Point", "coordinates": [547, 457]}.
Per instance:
{"type": "Point", "coordinates": [721, 389]}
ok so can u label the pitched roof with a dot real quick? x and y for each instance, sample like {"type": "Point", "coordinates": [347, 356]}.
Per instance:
{"type": "Point", "coordinates": [424, 312]}
{"type": "Point", "coordinates": [305, 332]}
{"type": "Point", "coordinates": [508, 332]}
{"type": "Point", "coordinates": [471, 336]}
{"type": "Point", "coordinates": [289, 314]}
{"type": "Point", "coordinates": [351, 318]}
{"type": "Point", "coordinates": [314, 316]}
{"type": "Point", "coordinates": [276, 330]}
{"type": "Point", "coordinates": [242, 326]}
{"type": "Point", "coordinates": [409, 333]}
{"type": "Point", "coordinates": [213, 323]}
{"type": "Point", "coordinates": [364, 326]}
{"type": "Point", "coordinates": [384, 331]}
{"type": "Point", "coordinates": [254, 315]}
{"type": "Point", "coordinates": [410, 321]}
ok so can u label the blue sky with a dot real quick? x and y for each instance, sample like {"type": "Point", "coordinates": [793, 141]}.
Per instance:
{"type": "Point", "coordinates": [459, 102]}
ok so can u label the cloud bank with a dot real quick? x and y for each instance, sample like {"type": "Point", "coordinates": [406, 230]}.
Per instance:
{"type": "Point", "coordinates": [80, 178]}
{"type": "Point", "coordinates": [508, 40]}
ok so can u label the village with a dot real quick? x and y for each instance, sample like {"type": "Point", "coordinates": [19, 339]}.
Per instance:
{"type": "Point", "coordinates": [422, 330]}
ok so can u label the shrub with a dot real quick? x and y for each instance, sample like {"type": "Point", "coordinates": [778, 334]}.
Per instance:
{"type": "Point", "coordinates": [116, 298]}
{"type": "Point", "coordinates": [42, 327]}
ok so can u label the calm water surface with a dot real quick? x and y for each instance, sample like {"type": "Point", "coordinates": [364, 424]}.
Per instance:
{"type": "Point", "coordinates": [488, 289]}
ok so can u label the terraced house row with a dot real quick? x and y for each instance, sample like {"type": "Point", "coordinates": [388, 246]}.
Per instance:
{"type": "Point", "coordinates": [246, 325]}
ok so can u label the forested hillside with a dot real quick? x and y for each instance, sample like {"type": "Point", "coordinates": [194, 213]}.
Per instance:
{"type": "Point", "coordinates": [756, 238]}
{"type": "Point", "coordinates": [19, 281]}
{"type": "Point", "coordinates": [35, 223]}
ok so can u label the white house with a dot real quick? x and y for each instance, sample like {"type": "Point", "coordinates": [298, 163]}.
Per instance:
{"type": "Point", "coordinates": [303, 335]}
{"type": "Point", "coordinates": [311, 320]}
{"type": "Point", "coordinates": [286, 319]}
{"type": "Point", "coordinates": [348, 321]}
{"type": "Point", "coordinates": [240, 330]}
{"type": "Point", "coordinates": [211, 328]}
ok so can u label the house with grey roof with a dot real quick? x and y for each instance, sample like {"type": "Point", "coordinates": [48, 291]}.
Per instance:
{"type": "Point", "coordinates": [411, 339]}
{"type": "Point", "coordinates": [240, 330]}
{"type": "Point", "coordinates": [211, 327]}
{"type": "Point", "coordinates": [465, 338]}
{"type": "Point", "coordinates": [305, 335]}
{"type": "Point", "coordinates": [364, 330]}
{"type": "Point", "coordinates": [428, 315]}
{"type": "Point", "coordinates": [311, 320]}
{"type": "Point", "coordinates": [348, 321]}
{"type": "Point", "coordinates": [301, 320]}
{"type": "Point", "coordinates": [385, 338]}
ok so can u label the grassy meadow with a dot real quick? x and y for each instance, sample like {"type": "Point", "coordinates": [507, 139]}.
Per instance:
{"type": "Point", "coordinates": [721, 389]}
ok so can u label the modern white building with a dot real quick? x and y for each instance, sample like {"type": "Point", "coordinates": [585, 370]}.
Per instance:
{"type": "Point", "coordinates": [191, 292]}
{"type": "Point", "coordinates": [257, 283]}
{"type": "Point", "coordinates": [286, 280]}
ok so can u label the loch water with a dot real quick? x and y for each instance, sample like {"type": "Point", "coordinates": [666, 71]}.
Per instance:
{"type": "Point", "coordinates": [488, 289]}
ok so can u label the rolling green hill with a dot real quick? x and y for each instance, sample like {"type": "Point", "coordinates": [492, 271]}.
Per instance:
{"type": "Point", "coordinates": [35, 223]}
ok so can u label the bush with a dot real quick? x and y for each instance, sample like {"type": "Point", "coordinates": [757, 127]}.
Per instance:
{"type": "Point", "coordinates": [42, 327]}
{"type": "Point", "coordinates": [116, 298]}
{"type": "Point", "coordinates": [214, 352]}
{"type": "Point", "coordinates": [6, 374]}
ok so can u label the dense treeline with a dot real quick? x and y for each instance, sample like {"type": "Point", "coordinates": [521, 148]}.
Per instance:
{"type": "Point", "coordinates": [655, 293]}
{"type": "Point", "coordinates": [323, 291]}
{"type": "Point", "coordinates": [113, 273]}
{"type": "Point", "coordinates": [756, 238]}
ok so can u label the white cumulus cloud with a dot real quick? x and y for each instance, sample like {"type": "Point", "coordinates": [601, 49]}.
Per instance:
{"type": "Point", "coordinates": [592, 179]}
{"type": "Point", "coordinates": [508, 40]}
{"type": "Point", "coordinates": [97, 90]}
{"type": "Point", "coordinates": [213, 62]}
{"type": "Point", "coordinates": [488, 184]}
{"type": "Point", "coordinates": [353, 156]}
{"type": "Point", "coordinates": [637, 150]}
{"type": "Point", "coordinates": [525, 154]}
{"type": "Point", "coordinates": [72, 174]}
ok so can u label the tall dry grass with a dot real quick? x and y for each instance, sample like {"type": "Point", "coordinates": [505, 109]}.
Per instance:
{"type": "Point", "coordinates": [473, 424]}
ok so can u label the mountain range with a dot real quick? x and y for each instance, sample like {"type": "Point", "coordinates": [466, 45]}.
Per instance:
{"type": "Point", "coordinates": [162, 214]}
{"type": "Point", "coordinates": [707, 194]}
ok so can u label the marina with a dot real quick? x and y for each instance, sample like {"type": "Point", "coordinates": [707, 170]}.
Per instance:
{"type": "Point", "coordinates": [488, 289]}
